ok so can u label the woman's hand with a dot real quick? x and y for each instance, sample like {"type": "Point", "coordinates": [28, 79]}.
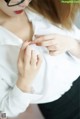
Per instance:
{"type": "Point", "coordinates": [56, 44]}
{"type": "Point", "coordinates": [28, 66]}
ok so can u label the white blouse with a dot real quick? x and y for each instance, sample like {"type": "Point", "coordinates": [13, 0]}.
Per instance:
{"type": "Point", "coordinates": [54, 78]}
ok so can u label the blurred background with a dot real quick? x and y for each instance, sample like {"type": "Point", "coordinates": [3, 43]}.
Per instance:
{"type": "Point", "coordinates": [77, 20]}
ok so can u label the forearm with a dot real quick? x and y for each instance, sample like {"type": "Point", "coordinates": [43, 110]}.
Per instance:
{"type": "Point", "coordinates": [21, 84]}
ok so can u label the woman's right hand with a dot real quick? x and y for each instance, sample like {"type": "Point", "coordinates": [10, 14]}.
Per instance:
{"type": "Point", "coordinates": [28, 65]}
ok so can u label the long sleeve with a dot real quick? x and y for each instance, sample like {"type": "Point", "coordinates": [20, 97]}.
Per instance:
{"type": "Point", "coordinates": [12, 100]}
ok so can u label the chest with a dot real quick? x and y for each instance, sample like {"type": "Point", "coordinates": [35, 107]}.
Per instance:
{"type": "Point", "coordinates": [24, 32]}
{"type": "Point", "coordinates": [20, 27]}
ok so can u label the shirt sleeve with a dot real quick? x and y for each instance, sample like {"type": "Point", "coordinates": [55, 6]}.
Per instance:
{"type": "Point", "coordinates": [12, 100]}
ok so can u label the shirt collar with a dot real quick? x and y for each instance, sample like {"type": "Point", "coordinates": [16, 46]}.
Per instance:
{"type": "Point", "coordinates": [8, 38]}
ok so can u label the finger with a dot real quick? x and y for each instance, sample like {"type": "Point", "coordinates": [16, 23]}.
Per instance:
{"type": "Point", "coordinates": [20, 64]}
{"type": "Point", "coordinates": [48, 43]}
{"type": "Point", "coordinates": [37, 41]}
{"type": "Point", "coordinates": [38, 36]}
{"type": "Point", "coordinates": [22, 50]}
{"type": "Point", "coordinates": [55, 53]}
{"type": "Point", "coordinates": [52, 52]}
{"type": "Point", "coordinates": [58, 52]}
{"type": "Point", "coordinates": [33, 58]}
{"type": "Point", "coordinates": [51, 48]}
{"type": "Point", "coordinates": [20, 59]}
{"type": "Point", "coordinates": [39, 60]}
{"type": "Point", "coordinates": [47, 37]}
{"type": "Point", "coordinates": [27, 56]}
{"type": "Point", "coordinates": [21, 55]}
{"type": "Point", "coordinates": [43, 38]}
{"type": "Point", "coordinates": [25, 44]}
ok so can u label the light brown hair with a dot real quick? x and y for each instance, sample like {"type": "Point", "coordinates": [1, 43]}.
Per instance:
{"type": "Point", "coordinates": [56, 11]}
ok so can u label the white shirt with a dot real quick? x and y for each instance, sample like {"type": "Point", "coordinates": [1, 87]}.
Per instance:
{"type": "Point", "coordinates": [54, 78]}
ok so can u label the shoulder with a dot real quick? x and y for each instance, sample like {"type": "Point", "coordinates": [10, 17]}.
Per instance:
{"type": "Point", "coordinates": [42, 26]}
{"type": "Point", "coordinates": [40, 23]}
{"type": "Point", "coordinates": [32, 14]}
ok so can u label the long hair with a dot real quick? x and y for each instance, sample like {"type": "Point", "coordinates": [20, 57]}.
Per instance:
{"type": "Point", "coordinates": [56, 11]}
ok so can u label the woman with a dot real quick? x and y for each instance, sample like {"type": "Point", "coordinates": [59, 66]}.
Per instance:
{"type": "Point", "coordinates": [68, 106]}
{"type": "Point", "coordinates": [24, 85]}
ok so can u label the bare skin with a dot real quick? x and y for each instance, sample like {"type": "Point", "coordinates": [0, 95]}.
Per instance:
{"type": "Point", "coordinates": [28, 66]}
{"type": "Point", "coordinates": [16, 26]}
{"type": "Point", "coordinates": [57, 44]}
{"type": "Point", "coordinates": [28, 62]}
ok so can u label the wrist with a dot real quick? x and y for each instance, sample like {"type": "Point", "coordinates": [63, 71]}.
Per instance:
{"type": "Point", "coordinates": [23, 86]}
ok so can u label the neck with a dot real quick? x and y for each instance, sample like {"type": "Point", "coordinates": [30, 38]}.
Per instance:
{"type": "Point", "coordinates": [4, 17]}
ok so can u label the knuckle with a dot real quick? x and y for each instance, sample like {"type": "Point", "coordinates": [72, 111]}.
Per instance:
{"type": "Point", "coordinates": [27, 68]}
{"type": "Point", "coordinates": [35, 67]}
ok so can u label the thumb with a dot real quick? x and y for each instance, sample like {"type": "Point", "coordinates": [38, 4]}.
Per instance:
{"type": "Point", "coordinates": [38, 39]}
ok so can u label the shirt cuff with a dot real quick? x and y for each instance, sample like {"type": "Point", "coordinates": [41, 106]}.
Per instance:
{"type": "Point", "coordinates": [24, 98]}
{"type": "Point", "coordinates": [20, 96]}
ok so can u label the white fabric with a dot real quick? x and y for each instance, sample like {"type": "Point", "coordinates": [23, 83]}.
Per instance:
{"type": "Point", "coordinates": [54, 78]}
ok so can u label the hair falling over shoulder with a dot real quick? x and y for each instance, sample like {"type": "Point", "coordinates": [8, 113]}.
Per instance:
{"type": "Point", "coordinates": [56, 11]}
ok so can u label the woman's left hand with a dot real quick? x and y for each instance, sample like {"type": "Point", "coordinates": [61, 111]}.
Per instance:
{"type": "Point", "coordinates": [56, 44]}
